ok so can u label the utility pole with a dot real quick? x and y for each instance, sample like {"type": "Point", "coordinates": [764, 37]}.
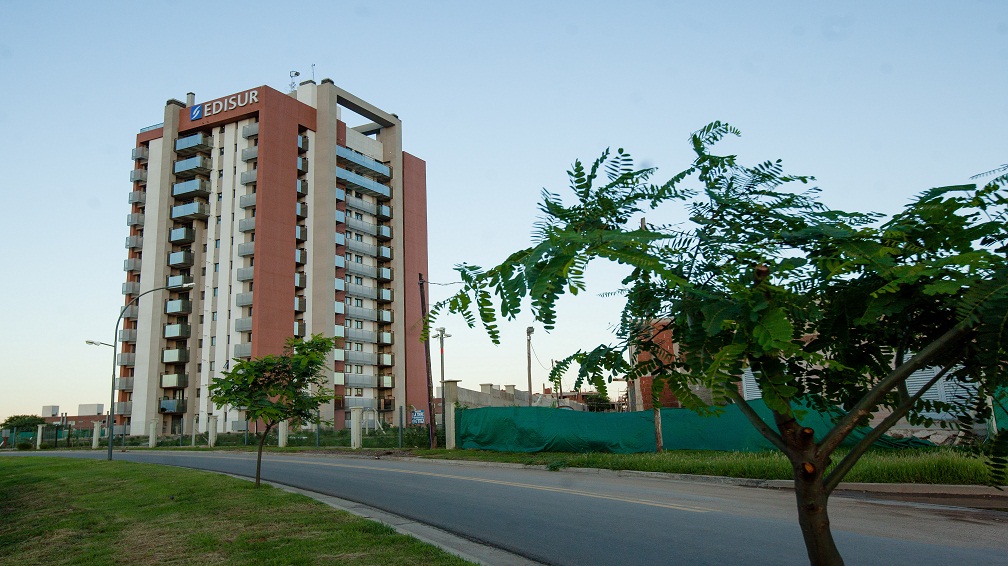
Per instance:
{"type": "Point", "coordinates": [528, 352]}
{"type": "Point", "coordinates": [430, 379]}
{"type": "Point", "coordinates": [441, 336]}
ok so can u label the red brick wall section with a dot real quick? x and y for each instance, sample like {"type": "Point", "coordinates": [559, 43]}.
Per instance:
{"type": "Point", "coordinates": [667, 399]}
{"type": "Point", "coordinates": [415, 263]}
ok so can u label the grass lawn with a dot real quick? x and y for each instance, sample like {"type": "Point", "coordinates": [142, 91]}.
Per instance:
{"type": "Point", "coordinates": [66, 511]}
{"type": "Point", "coordinates": [919, 465]}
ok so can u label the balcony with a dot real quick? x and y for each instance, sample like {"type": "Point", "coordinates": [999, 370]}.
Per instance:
{"type": "Point", "coordinates": [140, 154]}
{"type": "Point", "coordinates": [128, 335]}
{"type": "Point", "coordinates": [124, 384]}
{"type": "Point", "coordinates": [299, 329]}
{"type": "Point", "coordinates": [364, 291]}
{"type": "Point", "coordinates": [363, 184]}
{"type": "Point", "coordinates": [356, 357]}
{"type": "Point", "coordinates": [385, 338]}
{"type": "Point", "coordinates": [300, 256]}
{"type": "Point", "coordinates": [247, 201]}
{"type": "Point", "coordinates": [300, 304]}
{"type": "Point", "coordinates": [340, 238]}
{"type": "Point", "coordinates": [301, 209]}
{"type": "Point", "coordinates": [300, 233]}
{"type": "Point", "coordinates": [385, 360]}
{"type": "Point", "coordinates": [138, 176]}
{"type": "Point", "coordinates": [384, 212]}
{"type": "Point", "coordinates": [386, 405]}
{"type": "Point", "coordinates": [362, 313]}
{"type": "Point", "coordinates": [181, 259]}
{"type": "Point", "coordinates": [191, 145]}
{"type": "Point", "coordinates": [174, 381]}
{"type": "Point", "coordinates": [178, 281]}
{"type": "Point", "coordinates": [361, 205]}
{"type": "Point", "coordinates": [384, 252]}
{"type": "Point", "coordinates": [137, 197]}
{"type": "Point", "coordinates": [302, 165]}
{"type": "Point", "coordinates": [360, 335]}
{"type": "Point", "coordinates": [384, 274]}
{"type": "Point", "coordinates": [172, 406]}
{"type": "Point", "coordinates": [360, 163]}
{"type": "Point", "coordinates": [131, 312]}
{"type": "Point", "coordinates": [302, 188]}
{"type": "Point", "coordinates": [362, 226]}
{"type": "Point", "coordinates": [302, 143]}
{"type": "Point", "coordinates": [191, 189]}
{"type": "Point", "coordinates": [366, 402]}
{"type": "Point", "coordinates": [339, 332]}
{"type": "Point", "coordinates": [134, 242]}
{"type": "Point", "coordinates": [300, 280]}
{"type": "Point", "coordinates": [360, 380]}
{"type": "Point", "coordinates": [245, 273]}
{"type": "Point", "coordinates": [339, 285]}
{"type": "Point", "coordinates": [246, 249]}
{"type": "Point", "coordinates": [246, 225]}
{"type": "Point", "coordinates": [175, 356]}
{"type": "Point", "coordinates": [339, 307]}
{"type": "Point", "coordinates": [178, 306]}
{"type": "Point", "coordinates": [176, 331]}
{"type": "Point", "coordinates": [384, 295]}
{"type": "Point", "coordinates": [384, 233]}
{"type": "Point", "coordinates": [135, 219]}
{"type": "Point", "coordinates": [385, 316]}
{"type": "Point", "coordinates": [250, 153]}
{"type": "Point", "coordinates": [243, 299]}
{"type": "Point", "coordinates": [131, 264]}
{"type": "Point", "coordinates": [124, 407]}
{"type": "Point", "coordinates": [243, 324]}
{"type": "Point", "coordinates": [339, 193]}
{"type": "Point", "coordinates": [340, 217]}
{"type": "Point", "coordinates": [386, 381]}
{"type": "Point", "coordinates": [189, 168]}
{"type": "Point", "coordinates": [250, 130]}
{"type": "Point", "coordinates": [243, 350]}
{"type": "Point", "coordinates": [184, 235]}
{"type": "Point", "coordinates": [191, 211]}
{"type": "Point", "coordinates": [339, 261]}
{"type": "Point", "coordinates": [248, 177]}
{"type": "Point", "coordinates": [127, 359]}
{"type": "Point", "coordinates": [361, 269]}
{"type": "Point", "coordinates": [361, 247]}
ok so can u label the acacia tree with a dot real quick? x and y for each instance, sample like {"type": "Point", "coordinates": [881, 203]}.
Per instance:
{"type": "Point", "coordinates": [829, 309]}
{"type": "Point", "coordinates": [277, 388]}
{"type": "Point", "coordinates": [22, 421]}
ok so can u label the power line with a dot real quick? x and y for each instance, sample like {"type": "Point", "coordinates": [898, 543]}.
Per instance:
{"type": "Point", "coordinates": [537, 359]}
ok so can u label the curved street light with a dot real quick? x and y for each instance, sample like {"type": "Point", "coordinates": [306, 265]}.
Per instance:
{"type": "Point", "coordinates": [115, 339]}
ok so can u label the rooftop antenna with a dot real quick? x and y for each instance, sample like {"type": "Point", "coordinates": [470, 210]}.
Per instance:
{"type": "Point", "coordinates": [313, 72]}
{"type": "Point", "coordinates": [293, 84]}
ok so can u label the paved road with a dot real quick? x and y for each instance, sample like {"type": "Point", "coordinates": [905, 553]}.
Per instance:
{"type": "Point", "coordinates": [577, 518]}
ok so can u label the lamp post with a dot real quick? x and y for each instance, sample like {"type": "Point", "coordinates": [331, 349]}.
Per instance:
{"type": "Point", "coordinates": [115, 338]}
{"type": "Point", "coordinates": [528, 352]}
{"type": "Point", "coordinates": [441, 336]}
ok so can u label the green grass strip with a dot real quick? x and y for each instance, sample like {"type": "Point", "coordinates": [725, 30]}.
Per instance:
{"type": "Point", "coordinates": [66, 511]}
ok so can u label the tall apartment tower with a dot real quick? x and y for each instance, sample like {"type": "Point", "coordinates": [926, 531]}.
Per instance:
{"type": "Point", "coordinates": [267, 217]}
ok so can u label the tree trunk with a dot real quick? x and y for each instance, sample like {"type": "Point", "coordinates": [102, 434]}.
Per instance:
{"type": "Point", "coordinates": [659, 443]}
{"type": "Point", "coordinates": [262, 442]}
{"type": "Point", "coordinates": [814, 519]}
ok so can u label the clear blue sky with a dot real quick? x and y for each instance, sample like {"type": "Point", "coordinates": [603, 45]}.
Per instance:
{"type": "Point", "coordinates": [878, 100]}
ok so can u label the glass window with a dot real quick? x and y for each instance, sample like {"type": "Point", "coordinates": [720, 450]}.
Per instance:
{"type": "Point", "coordinates": [358, 259]}
{"type": "Point", "coordinates": [358, 280]}
{"type": "Point", "coordinates": [360, 324]}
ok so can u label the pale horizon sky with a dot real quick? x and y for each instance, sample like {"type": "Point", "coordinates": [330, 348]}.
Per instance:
{"type": "Point", "coordinates": [878, 100]}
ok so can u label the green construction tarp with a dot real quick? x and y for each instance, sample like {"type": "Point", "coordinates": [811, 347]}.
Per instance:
{"type": "Point", "coordinates": [541, 429]}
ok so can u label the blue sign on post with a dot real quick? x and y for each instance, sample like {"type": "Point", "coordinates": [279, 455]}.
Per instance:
{"type": "Point", "coordinates": [417, 416]}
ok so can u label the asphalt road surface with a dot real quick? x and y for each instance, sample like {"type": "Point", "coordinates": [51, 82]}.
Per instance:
{"type": "Point", "coordinates": [578, 518]}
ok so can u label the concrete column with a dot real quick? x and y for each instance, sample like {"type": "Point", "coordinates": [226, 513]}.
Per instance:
{"type": "Point", "coordinates": [152, 431]}
{"type": "Point", "coordinates": [282, 434]}
{"type": "Point", "coordinates": [510, 389]}
{"type": "Point", "coordinates": [450, 398]}
{"type": "Point", "coordinates": [212, 430]}
{"type": "Point", "coordinates": [38, 437]}
{"type": "Point", "coordinates": [195, 425]}
{"type": "Point", "coordinates": [355, 427]}
{"type": "Point", "coordinates": [486, 388]}
{"type": "Point", "coordinates": [96, 435]}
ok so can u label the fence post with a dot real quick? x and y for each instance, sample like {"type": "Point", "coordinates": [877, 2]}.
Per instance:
{"type": "Point", "coordinates": [38, 439]}
{"type": "Point", "coordinates": [152, 438]}
{"type": "Point", "coordinates": [282, 435]}
{"type": "Point", "coordinates": [96, 435]}
{"type": "Point", "coordinates": [402, 423]}
{"type": "Point", "coordinates": [212, 431]}
{"type": "Point", "coordinates": [355, 427]}
{"type": "Point", "coordinates": [195, 425]}
{"type": "Point", "coordinates": [450, 397]}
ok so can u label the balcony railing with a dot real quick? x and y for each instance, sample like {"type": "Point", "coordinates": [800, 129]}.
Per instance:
{"type": "Point", "coordinates": [181, 259]}
{"type": "Point", "coordinates": [248, 177]}
{"type": "Point", "coordinates": [243, 350]}
{"type": "Point", "coordinates": [384, 274]}
{"type": "Point", "coordinates": [188, 168]}
{"type": "Point", "coordinates": [124, 407]}
{"type": "Point", "coordinates": [339, 261]}
{"type": "Point", "coordinates": [176, 331]}
{"type": "Point", "coordinates": [172, 406]}
{"type": "Point", "coordinates": [302, 188]}
{"type": "Point", "coordinates": [247, 201]}
{"type": "Point", "coordinates": [366, 402]}
{"type": "Point", "coordinates": [250, 153]}
{"type": "Point", "coordinates": [361, 205]}
{"type": "Point", "coordinates": [191, 188]}
{"type": "Point", "coordinates": [384, 233]}
{"type": "Point", "coordinates": [385, 338]}
{"type": "Point", "coordinates": [386, 381]}
{"type": "Point", "coordinates": [175, 356]}
{"type": "Point", "coordinates": [178, 306]}
{"type": "Point", "coordinates": [127, 359]}
{"type": "Point", "coordinates": [131, 264]}
{"type": "Point", "coordinates": [361, 163]}
{"type": "Point", "coordinates": [191, 211]}
{"type": "Point", "coordinates": [300, 304]}
{"type": "Point", "coordinates": [302, 164]}
{"type": "Point", "coordinates": [134, 242]}
{"type": "Point", "coordinates": [244, 299]}
{"type": "Point", "coordinates": [362, 313]}
{"type": "Point", "coordinates": [138, 176]}
{"type": "Point", "coordinates": [300, 233]}
{"type": "Point", "coordinates": [301, 209]}
{"type": "Point", "coordinates": [300, 256]}
{"type": "Point", "coordinates": [246, 249]}
{"type": "Point", "coordinates": [364, 291]}
{"type": "Point", "coordinates": [250, 130]}
{"type": "Point", "coordinates": [386, 404]}
{"type": "Point", "coordinates": [137, 197]}
{"type": "Point", "coordinates": [174, 381]}
{"type": "Point", "coordinates": [340, 307]}
{"type": "Point", "coordinates": [339, 285]}
{"type": "Point", "coordinates": [302, 143]}
{"type": "Point", "coordinates": [124, 384]}
{"type": "Point", "coordinates": [176, 281]}
{"type": "Point", "coordinates": [363, 184]}
{"type": "Point", "coordinates": [246, 225]}
{"type": "Point", "coordinates": [245, 273]}
{"type": "Point", "coordinates": [140, 153]}
{"type": "Point", "coordinates": [183, 235]}
{"type": "Point", "coordinates": [131, 312]}
{"type": "Point", "coordinates": [385, 295]}
{"type": "Point", "coordinates": [361, 247]}
{"type": "Point", "coordinates": [360, 380]}
{"type": "Point", "coordinates": [385, 360]}
{"type": "Point", "coordinates": [243, 324]}
{"type": "Point", "coordinates": [384, 252]}
{"type": "Point", "coordinates": [360, 335]}
{"type": "Point", "coordinates": [193, 144]}
{"type": "Point", "coordinates": [135, 219]}
{"type": "Point", "coordinates": [384, 212]}
{"type": "Point", "coordinates": [361, 269]}
{"type": "Point", "coordinates": [300, 280]}
{"type": "Point", "coordinates": [355, 357]}
{"type": "Point", "coordinates": [128, 335]}
{"type": "Point", "coordinates": [385, 316]}
{"type": "Point", "coordinates": [340, 217]}
{"type": "Point", "coordinates": [299, 329]}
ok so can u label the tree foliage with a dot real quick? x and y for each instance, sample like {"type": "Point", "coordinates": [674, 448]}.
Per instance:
{"type": "Point", "coordinates": [830, 308]}
{"type": "Point", "coordinates": [23, 422]}
{"type": "Point", "coordinates": [275, 388]}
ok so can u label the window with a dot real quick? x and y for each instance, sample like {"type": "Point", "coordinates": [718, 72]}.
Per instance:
{"type": "Point", "coordinates": [359, 237]}
{"type": "Point", "coordinates": [213, 316]}
{"type": "Point", "coordinates": [358, 369]}
{"type": "Point", "coordinates": [211, 366]}
{"type": "Point", "coordinates": [360, 324]}
{"type": "Point", "coordinates": [358, 303]}
{"type": "Point", "coordinates": [221, 129]}
{"type": "Point", "coordinates": [348, 301]}
{"type": "Point", "coordinates": [201, 319]}
{"type": "Point", "coordinates": [216, 244]}
{"type": "Point", "coordinates": [215, 290]}
{"type": "Point", "coordinates": [346, 346]}
{"type": "Point", "coordinates": [347, 323]}
{"type": "Point", "coordinates": [200, 343]}
{"type": "Point", "coordinates": [358, 216]}
{"type": "Point", "coordinates": [349, 256]}
{"type": "Point", "coordinates": [347, 278]}
{"type": "Point", "coordinates": [213, 342]}
{"type": "Point", "coordinates": [220, 172]}
{"type": "Point", "coordinates": [348, 232]}
{"type": "Point", "coordinates": [360, 347]}
{"type": "Point", "coordinates": [216, 269]}
{"type": "Point", "coordinates": [218, 217]}
{"type": "Point", "coordinates": [358, 259]}
{"type": "Point", "coordinates": [358, 194]}
{"type": "Point", "coordinates": [204, 268]}
{"type": "Point", "coordinates": [358, 391]}
{"type": "Point", "coordinates": [220, 197]}
{"type": "Point", "coordinates": [357, 279]}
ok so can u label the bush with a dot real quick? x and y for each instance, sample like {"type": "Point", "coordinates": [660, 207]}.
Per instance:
{"type": "Point", "coordinates": [23, 446]}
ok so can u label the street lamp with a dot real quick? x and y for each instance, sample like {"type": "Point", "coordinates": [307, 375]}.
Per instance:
{"type": "Point", "coordinates": [528, 352]}
{"type": "Point", "coordinates": [441, 336]}
{"type": "Point", "coordinates": [115, 339]}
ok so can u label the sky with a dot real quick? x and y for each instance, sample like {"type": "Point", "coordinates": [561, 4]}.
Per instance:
{"type": "Point", "coordinates": [877, 100]}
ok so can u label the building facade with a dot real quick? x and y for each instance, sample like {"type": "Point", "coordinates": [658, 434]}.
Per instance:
{"type": "Point", "coordinates": [267, 217]}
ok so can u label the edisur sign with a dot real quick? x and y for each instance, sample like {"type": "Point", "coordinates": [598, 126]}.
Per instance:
{"type": "Point", "coordinates": [223, 104]}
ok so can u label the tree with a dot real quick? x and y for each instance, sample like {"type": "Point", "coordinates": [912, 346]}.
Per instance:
{"type": "Point", "coordinates": [277, 388]}
{"type": "Point", "coordinates": [831, 310]}
{"type": "Point", "coordinates": [24, 422]}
